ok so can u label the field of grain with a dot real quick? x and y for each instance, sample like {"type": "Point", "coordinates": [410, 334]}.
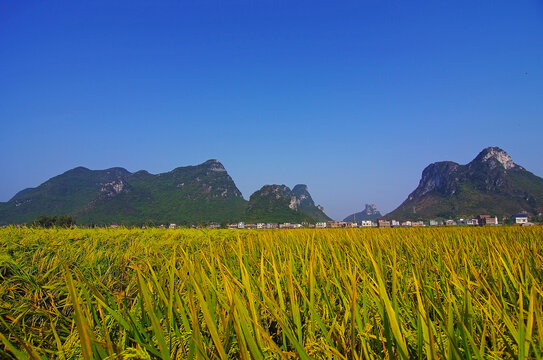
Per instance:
{"type": "Point", "coordinates": [435, 293]}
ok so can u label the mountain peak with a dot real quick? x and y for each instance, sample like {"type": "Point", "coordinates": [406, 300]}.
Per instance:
{"type": "Point", "coordinates": [490, 184]}
{"type": "Point", "coordinates": [303, 198]}
{"type": "Point", "coordinates": [300, 188]}
{"type": "Point", "coordinates": [493, 156]}
{"type": "Point", "coordinates": [214, 165]}
{"type": "Point", "coordinates": [370, 213]}
{"type": "Point", "coordinates": [278, 203]}
{"type": "Point", "coordinates": [371, 209]}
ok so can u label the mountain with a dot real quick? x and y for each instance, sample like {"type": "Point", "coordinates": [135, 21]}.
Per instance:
{"type": "Point", "coordinates": [490, 184]}
{"type": "Point", "coordinates": [185, 195]}
{"type": "Point", "coordinates": [369, 213]}
{"type": "Point", "coordinates": [278, 203]}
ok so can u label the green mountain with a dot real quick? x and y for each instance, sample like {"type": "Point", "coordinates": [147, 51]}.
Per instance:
{"type": "Point", "coordinates": [185, 195]}
{"type": "Point", "coordinates": [278, 204]}
{"type": "Point", "coordinates": [490, 184]}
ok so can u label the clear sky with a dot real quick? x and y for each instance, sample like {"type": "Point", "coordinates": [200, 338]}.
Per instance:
{"type": "Point", "coordinates": [352, 98]}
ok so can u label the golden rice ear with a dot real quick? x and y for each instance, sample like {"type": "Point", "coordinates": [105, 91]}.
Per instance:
{"type": "Point", "coordinates": [395, 293]}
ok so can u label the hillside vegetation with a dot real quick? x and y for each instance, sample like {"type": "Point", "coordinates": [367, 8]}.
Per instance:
{"type": "Point", "coordinates": [490, 184]}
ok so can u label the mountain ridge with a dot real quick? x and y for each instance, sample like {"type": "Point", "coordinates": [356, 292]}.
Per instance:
{"type": "Point", "coordinates": [278, 203]}
{"type": "Point", "coordinates": [193, 194]}
{"type": "Point", "coordinates": [491, 183]}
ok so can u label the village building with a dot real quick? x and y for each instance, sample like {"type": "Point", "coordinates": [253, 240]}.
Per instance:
{"type": "Point", "coordinates": [383, 223]}
{"type": "Point", "coordinates": [367, 223]}
{"type": "Point", "coordinates": [487, 220]}
{"type": "Point", "coordinates": [336, 224]}
{"type": "Point", "coordinates": [520, 219]}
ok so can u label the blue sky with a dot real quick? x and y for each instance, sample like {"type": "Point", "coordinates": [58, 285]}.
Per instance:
{"type": "Point", "coordinates": [353, 98]}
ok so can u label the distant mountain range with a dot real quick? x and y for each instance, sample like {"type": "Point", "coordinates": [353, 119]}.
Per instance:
{"type": "Point", "coordinates": [186, 195]}
{"type": "Point", "coordinates": [369, 213]}
{"type": "Point", "coordinates": [490, 184]}
{"type": "Point", "coordinates": [272, 203]}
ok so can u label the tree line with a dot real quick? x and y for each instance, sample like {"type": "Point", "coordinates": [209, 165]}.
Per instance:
{"type": "Point", "coordinates": [44, 221]}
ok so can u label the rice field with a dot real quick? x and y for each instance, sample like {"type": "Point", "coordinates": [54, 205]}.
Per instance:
{"type": "Point", "coordinates": [425, 293]}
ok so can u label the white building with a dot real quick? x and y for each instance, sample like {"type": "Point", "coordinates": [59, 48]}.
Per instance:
{"type": "Point", "coordinates": [520, 219]}
{"type": "Point", "coordinates": [320, 225]}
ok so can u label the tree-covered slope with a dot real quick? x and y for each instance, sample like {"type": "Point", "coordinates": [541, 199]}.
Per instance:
{"type": "Point", "coordinates": [490, 184]}
{"type": "Point", "coordinates": [277, 204]}
{"type": "Point", "coordinates": [185, 195]}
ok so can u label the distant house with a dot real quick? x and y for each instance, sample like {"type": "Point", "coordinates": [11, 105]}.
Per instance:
{"type": "Point", "coordinates": [353, 224]}
{"type": "Point", "coordinates": [520, 219]}
{"type": "Point", "coordinates": [487, 220]}
{"type": "Point", "coordinates": [418, 223]}
{"type": "Point", "coordinates": [472, 222]}
{"type": "Point", "coordinates": [383, 223]}
{"type": "Point", "coordinates": [450, 222]}
{"type": "Point", "coordinates": [407, 223]}
{"type": "Point", "coordinates": [261, 225]}
{"type": "Point", "coordinates": [241, 225]}
{"type": "Point", "coordinates": [434, 223]}
{"type": "Point", "coordinates": [172, 226]}
{"type": "Point", "coordinates": [336, 224]}
{"type": "Point", "coordinates": [366, 223]}
{"type": "Point", "coordinates": [233, 226]}
{"type": "Point", "coordinates": [320, 225]}
{"type": "Point", "coordinates": [394, 223]}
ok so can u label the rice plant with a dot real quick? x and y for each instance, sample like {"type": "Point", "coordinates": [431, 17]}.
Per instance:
{"type": "Point", "coordinates": [430, 293]}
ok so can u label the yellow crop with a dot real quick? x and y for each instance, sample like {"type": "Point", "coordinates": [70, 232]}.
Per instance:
{"type": "Point", "coordinates": [434, 293]}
